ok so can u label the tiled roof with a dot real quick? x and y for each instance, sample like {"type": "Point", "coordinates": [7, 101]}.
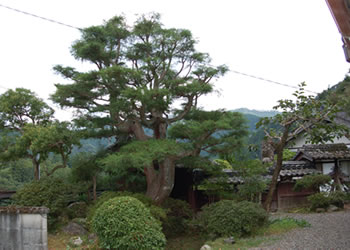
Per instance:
{"type": "Point", "coordinates": [326, 151]}
{"type": "Point", "coordinates": [299, 172]}
{"type": "Point", "coordinates": [296, 168]}
{"type": "Point", "coordinates": [289, 169]}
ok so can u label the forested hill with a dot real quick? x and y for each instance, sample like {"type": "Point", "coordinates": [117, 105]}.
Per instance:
{"type": "Point", "coordinates": [252, 116]}
{"type": "Point", "coordinates": [255, 135]}
{"type": "Point", "coordinates": [258, 113]}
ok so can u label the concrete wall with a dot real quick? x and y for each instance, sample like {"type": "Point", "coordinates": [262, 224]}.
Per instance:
{"type": "Point", "coordinates": [23, 228]}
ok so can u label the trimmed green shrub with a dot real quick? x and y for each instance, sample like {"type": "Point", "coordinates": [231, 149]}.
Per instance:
{"type": "Point", "coordinates": [319, 200]}
{"type": "Point", "coordinates": [126, 223]}
{"type": "Point", "coordinates": [337, 198]}
{"type": "Point", "coordinates": [347, 197]}
{"type": "Point", "coordinates": [324, 200]}
{"type": "Point", "coordinates": [311, 182]}
{"type": "Point", "coordinates": [179, 213]}
{"type": "Point", "coordinates": [157, 212]}
{"type": "Point", "coordinates": [51, 192]}
{"type": "Point", "coordinates": [230, 218]}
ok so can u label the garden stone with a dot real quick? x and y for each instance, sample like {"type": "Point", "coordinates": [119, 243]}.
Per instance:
{"type": "Point", "coordinates": [92, 237]}
{"type": "Point", "coordinates": [76, 241]}
{"type": "Point", "coordinates": [74, 229]}
{"type": "Point", "coordinates": [320, 210]}
{"type": "Point", "coordinates": [332, 208]}
{"type": "Point", "coordinates": [230, 240]}
{"type": "Point", "coordinates": [206, 247]}
{"type": "Point", "coordinates": [212, 236]}
{"type": "Point", "coordinates": [80, 221]}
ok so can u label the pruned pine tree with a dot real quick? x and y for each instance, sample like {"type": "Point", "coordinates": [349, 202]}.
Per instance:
{"type": "Point", "coordinates": [141, 74]}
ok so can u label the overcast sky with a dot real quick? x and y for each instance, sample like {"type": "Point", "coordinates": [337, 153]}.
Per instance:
{"type": "Point", "coordinates": [284, 41]}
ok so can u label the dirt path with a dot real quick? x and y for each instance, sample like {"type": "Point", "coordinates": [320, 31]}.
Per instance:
{"type": "Point", "coordinates": [327, 231]}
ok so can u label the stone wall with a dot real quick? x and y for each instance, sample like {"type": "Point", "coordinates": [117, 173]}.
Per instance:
{"type": "Point", "coordinates": [23, 228]}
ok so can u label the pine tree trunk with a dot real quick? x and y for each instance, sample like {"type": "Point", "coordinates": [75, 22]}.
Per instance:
{"type": "Point", "coordinates": [94, 184]}
{"type": "Point", "coordinates": [36, 166]}
{"type": "Point", "coordinates": [88, 195]}
{"type": "Point", "coordinates": [337, 182]}
{"type": "Point", "coordinates": [161, 183]}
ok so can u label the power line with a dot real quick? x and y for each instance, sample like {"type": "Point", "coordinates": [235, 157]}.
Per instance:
{"type": "Point", "coordinates": [2, 87]}
{"type": "Point", "coordinates": [270, 81]}
{"type": "Point", "coordinates": [40, 17]}
{"type": "Point", "coordinates": [71, 26]}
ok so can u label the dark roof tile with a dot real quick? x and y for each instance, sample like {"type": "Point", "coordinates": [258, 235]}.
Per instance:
{"type": "Point", "coordinates": [296, 169]}
{"type": "Point", "coordinates": [326, 151]}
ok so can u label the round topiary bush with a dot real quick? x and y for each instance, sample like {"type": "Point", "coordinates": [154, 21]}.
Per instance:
{"type": "Point", "coordinates": [157, 212]}
{"type": "Point", "coordinates": [231, 218]}
{"type": "Point", "coordinates": [125, 223]}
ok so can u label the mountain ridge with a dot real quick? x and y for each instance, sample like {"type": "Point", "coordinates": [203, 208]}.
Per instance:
{"type": "Point", "coordinates": [259, 113]}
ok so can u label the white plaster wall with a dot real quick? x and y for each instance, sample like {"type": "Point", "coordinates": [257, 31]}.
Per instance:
{"type": "Point", "coordinates": [301, 140]}
{"type": "Point", "coordinates": [345, 167]}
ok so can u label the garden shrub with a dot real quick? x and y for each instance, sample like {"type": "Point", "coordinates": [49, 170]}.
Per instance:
{"type": "Point", "coordinates": [337, 198]}
{"type": "Point", "coordinates": [347, 197]}
{"type": "Point", "coordinates": [157, 212]}
{"type": "Point", "coordinates": [77, 210]}
{"type": "Point", "coordinates": [311, 182]}
{"type": "Point", "coordinates": [324, 200]}
{"type": "Point", "coordinates": [126, 223]}
{"type": "Point", "coordinates": [178, 214]}
{"type": "Point", "coordinates": [51, 192]}
{"type": "Point", "coordinates": [319, 200]}
{"type": "Point", "coordinates": [230, 218]}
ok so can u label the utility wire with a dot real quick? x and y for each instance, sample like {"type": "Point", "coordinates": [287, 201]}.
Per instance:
{"type": "Point", "coordinates": [2, 87]}
{"type": "Point", "coordinates": [270, 81]}
{"type": "Point", "coordinates": [71, 26]}
{"type": "Point", "coordinates": [40, 17]}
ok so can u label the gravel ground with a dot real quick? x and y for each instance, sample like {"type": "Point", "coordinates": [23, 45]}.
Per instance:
{"type": "Point", "coordinates": [327, 231]}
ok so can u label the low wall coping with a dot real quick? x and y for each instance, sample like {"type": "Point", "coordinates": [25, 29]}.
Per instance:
{"type": "Point", "coordinates": [24, 210]}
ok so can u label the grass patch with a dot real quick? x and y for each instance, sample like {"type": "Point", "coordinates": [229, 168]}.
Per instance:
{"type": "Point", "coordinates": [243, 243]}
{"type": "Point", "coordinates": [61, 241]}
{"type": "Point", "coordinates": [267, 235]}
{"type": "Point", "coordinates": [300, 210]}
{"type": "Point", "coordinates": [185, 242]}
{"type": "Point", "coordinates": [282, 225]}
{"type": "Point", "coordinates": [57, 241]}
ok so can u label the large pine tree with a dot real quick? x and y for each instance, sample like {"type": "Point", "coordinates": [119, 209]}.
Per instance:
{"type": "Point", "coordinates": [142, 73]}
